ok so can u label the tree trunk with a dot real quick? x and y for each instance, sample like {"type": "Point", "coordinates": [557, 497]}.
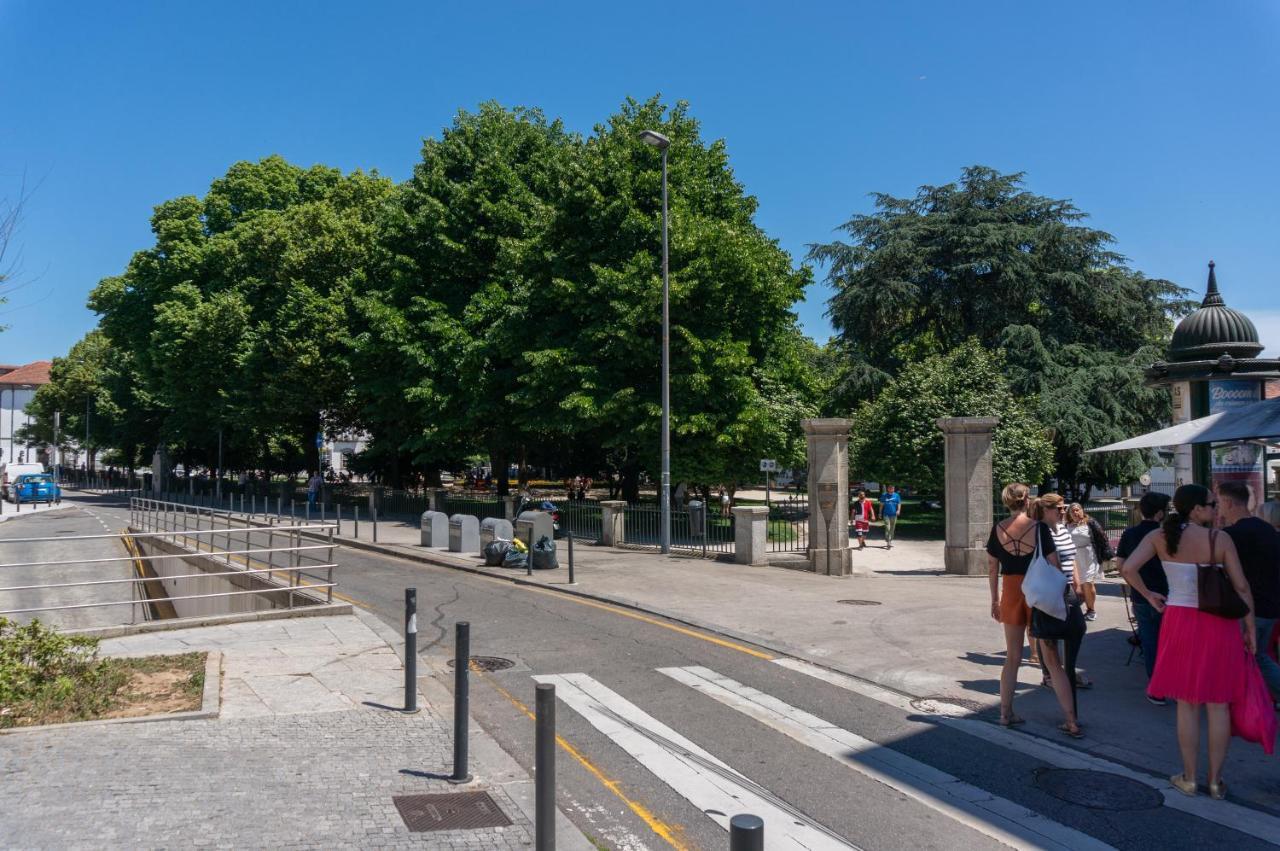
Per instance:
{"type": "Point", "coordinates": [631, 484]}
{"type": "Point", "coordinates": [498, 461]}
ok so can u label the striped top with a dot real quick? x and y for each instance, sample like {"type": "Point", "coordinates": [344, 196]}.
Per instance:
{"type": "Point", "coordinates": [1066, 548]}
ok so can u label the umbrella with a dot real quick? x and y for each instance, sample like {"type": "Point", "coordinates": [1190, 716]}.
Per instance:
{"type": "Point", "coordinates": [1257, 421]}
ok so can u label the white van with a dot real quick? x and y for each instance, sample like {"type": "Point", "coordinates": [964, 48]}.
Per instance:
{"type": "Point", "coordinates": [10, 471]}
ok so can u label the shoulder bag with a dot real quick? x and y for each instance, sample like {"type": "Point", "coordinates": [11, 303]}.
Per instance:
{"type": "Point", "coordinates": [1216, 594]}
{"type": "Point", "coordinates": [1045, 585]}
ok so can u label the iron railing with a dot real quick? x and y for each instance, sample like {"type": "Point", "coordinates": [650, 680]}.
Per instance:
{"type": "Point", "coordinates": [477, 506]}
{"type": "Point", "coordinates": [641, 524]}
{"type": "Point", "coordinates": [582, 517]}
{"type": "Point", "coordinates": [788, 526]}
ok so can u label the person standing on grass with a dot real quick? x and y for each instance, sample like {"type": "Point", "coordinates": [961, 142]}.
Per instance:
{"type": "Point", "coordinates": [1093, 550]}
{"type": "Point", "coordinates": [862, 513]}
{"type": "Point", "coordinates": [1152, 507]}
{"type": "Point", "coordinates": [890, 511]}
{"type": "Point", "coordinates": [1258, 546]}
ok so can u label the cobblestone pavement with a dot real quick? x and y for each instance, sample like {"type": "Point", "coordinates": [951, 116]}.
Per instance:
{"type": "Point", "coordinates": [298, 758]}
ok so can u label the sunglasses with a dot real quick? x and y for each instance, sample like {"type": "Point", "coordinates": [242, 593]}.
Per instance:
{"type": "Point", "coordinates": [1212, 504]}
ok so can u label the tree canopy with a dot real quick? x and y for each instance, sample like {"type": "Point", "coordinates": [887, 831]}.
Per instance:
{"type": "Point", "coordinates": [985, 259]}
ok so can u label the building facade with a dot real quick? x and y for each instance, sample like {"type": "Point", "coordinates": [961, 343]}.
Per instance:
{"type": "Point", "coordinates": [18, 384]}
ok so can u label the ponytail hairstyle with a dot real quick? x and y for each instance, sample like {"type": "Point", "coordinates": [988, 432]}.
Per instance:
{"type": "Point", "coordinates": [1185, 500]}
{"type": "Point", "coordinates": [1015, 496]}
{"type": "Point", "coordinates": [1049, 500]}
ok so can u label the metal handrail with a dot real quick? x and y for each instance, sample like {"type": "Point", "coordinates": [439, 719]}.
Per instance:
{"type": "Point", "coordinates": [136, 579]}
{"type": "Point", "coordinates": [291, 590]}
{"type": "Point", "coordinates": [164, 556]}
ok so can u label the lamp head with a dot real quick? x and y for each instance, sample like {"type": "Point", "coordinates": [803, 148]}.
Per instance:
{"type": "Point", "coordinates": [652, 137]}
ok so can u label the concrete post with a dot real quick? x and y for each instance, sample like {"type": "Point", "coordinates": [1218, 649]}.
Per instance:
{"type": "Point", "coordinates": [612, 532]}
{"type": "Point", "coordinates": [828, 441]}
{"type": "Point", "coordinates": [438, 496]}
{"type": "Point", "coordinates": [968, 492]}
{"type": "Point", "coordinates": [509, 503]}
{"type": "Point", "coordinates": [750, 534]}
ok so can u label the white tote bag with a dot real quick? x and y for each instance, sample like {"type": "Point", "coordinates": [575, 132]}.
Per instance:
{"type": "Point", "coordinates": [1045, 585]}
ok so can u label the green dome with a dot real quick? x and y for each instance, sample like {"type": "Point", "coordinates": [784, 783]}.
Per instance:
{"type": "Point", "coordinates": [1214, 330]}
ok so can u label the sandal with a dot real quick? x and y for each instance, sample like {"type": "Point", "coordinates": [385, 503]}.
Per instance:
{"type": "Point", "coordinates": [1082, 681]}
{"type": "Point", "coordinates": [1072, 730]}
{"type": "Point", "coordinates": [1011, 720]}
{"type": "Point", "coordinates": [1183, 785]}
{"type": "Point", "coordinates": [1218, 791]}
{"type": "Point", "coordinates": [1046, 681]}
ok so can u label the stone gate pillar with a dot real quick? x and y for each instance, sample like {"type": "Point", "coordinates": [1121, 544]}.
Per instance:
{"type": "Point", "coordinates": [828, 441]}
{"type": "Point", "coordinates": [968, 492]}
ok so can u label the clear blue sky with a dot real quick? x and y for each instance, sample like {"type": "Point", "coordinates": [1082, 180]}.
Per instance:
{"type": "Point", "coordinates": [1158, 118]}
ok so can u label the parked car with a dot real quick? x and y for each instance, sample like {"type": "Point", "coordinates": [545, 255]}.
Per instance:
{"type": "Point", "coordinates": [10, 472]}
{"type": "Point", "coordinates": [35, 487]}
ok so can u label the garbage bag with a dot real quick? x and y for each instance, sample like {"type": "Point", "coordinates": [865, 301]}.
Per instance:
{"type": "Point", "coordinates": [519, 546]}
{"type": "Point", "coordinates": [515, 559]}
{"type": "Point", "coordinates": [494, 552]}
{"type": "Point", "coordinates": [544, 554]}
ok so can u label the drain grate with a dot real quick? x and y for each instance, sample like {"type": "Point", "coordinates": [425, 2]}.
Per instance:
{"type": "Point", "coordinates": [488, 664]}
{"type": "Point", "coordinates": [1098, 790]}
{"type": "Point", "coordinates": [450, 811]}
{"type": "Point", "coordinates": [859, 602]}
{"type": "Point", "coordinates": [940, 704]}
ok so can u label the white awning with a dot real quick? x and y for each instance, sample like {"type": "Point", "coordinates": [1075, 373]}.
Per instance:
{"type": "Point", "coordinates": [1259, 421]}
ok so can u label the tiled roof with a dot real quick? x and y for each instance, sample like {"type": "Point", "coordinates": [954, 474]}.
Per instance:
{"type": "Point", "coordinates": [36, 372]}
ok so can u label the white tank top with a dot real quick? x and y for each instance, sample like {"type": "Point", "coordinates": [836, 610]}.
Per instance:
{"type": "Point", "coordinates": [1183, 589]}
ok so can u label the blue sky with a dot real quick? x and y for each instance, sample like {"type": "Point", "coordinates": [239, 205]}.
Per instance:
{"type": "Point", "coordinates": [1158, 118]}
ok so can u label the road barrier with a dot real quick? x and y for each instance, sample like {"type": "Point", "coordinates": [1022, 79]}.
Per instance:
{"type": "Point", "coordinates": [461, 701]}
{"type": "Point", "coordinates": [544, 768]}
{"type": "Point", "coordinates": [411, 650]}
{"type": "Point", "coordinates": [746, 833]}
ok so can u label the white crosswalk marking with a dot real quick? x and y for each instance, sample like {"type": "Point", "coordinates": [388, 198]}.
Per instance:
{"type": "Point", "coordinates": [700, 778]}
{"type": "Point", "coordinates": [996, 817]}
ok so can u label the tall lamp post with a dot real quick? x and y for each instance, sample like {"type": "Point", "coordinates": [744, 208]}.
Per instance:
{"type": "Point", "coordinates": [657, 140]}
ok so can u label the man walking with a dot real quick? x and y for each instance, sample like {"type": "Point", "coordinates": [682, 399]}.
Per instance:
{"type": "Point", "coordinates": [890, 510]}
{"type": "Point", "coordinates": [1152, 507]}
{"type": "Point", "coordinates": [1258, 545]}
{"type": "Point", "coordinates": [313, 488]}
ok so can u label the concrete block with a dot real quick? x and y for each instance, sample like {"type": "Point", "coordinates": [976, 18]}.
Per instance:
{"type": "Point", "coordinates": [464, 533]}
{"type": "Point", "coordinates": [750, 534]}
{"type": "Point", "coordinates": [612, 530]}
{"type": "Point", "coordinates": [435, 529]}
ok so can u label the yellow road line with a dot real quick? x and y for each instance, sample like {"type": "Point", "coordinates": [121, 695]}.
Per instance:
{"type": "Point", "coordinates": [671, 833]}
{"type": "Point", "coordinates": [617, 610]}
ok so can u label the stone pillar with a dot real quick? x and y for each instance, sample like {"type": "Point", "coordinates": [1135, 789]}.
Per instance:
{"type": "Point", "coordinates": [438, 496]}
{"type": "Point", "coordinates": [968, 492]}
{"type": "Point", "coordinates": [612, 531]}
{"type": "Point", "coordinates": [509, 506]}
{"type": "Point", "coordinates": [750, 538]}
{"type": "Point", "coordinates": [828, 441]}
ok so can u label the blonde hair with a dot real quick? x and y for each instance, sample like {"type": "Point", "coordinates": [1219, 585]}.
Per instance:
{"type": "Point", "coordinates": [1015, 496]}
{"type": "Point", "coordinates": [1045, 501]}
{"type": "Point", "coordinates": [1073, 508]}
{"type": "Point", "coordinates": [1270, 512]}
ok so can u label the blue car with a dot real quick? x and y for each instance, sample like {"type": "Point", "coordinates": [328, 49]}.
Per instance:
{"type": "Point", "coordinates": [35, 487]}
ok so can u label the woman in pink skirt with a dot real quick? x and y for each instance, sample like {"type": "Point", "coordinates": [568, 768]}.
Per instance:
{"type": "Point", "coordinates": [1199, 660]}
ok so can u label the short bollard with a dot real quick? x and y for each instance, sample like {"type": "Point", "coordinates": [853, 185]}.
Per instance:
{"type": "Point", "coordinates": [411, 650]}
{"type": "Point", "coordinates": [544, 767]}
{"type": "Point", "coordinates": [746, 833]}
{"type": "Point", "coordinates": [375, 525]}
{"type": "Point", "coordinates": [356, 509]}
{"type": "Point", "coordinates": [461, 701]}
{"type": "Point", "coordinates": [571, 579]}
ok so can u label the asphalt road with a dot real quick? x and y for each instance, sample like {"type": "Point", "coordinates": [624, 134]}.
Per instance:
{"type": "Point", "coordinates": [605, 786]}
{"type": "Point", "coordinates": [61, 525]}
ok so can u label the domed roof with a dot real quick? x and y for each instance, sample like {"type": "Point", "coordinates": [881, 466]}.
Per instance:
{"type": "Point", "coordinates": [1214, 330]}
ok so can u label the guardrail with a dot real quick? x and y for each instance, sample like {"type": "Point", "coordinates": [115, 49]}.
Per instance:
{"type": "Point", "coordinates": [274, 558]}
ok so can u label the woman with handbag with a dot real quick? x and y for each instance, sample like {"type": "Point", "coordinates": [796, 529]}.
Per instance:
{"type": "Point", "coordinates": [1093, 550]}
{"type": "Point", "coordinates": [1014, 544]}
{"type": "Point", "coordinates": [1208, 606]}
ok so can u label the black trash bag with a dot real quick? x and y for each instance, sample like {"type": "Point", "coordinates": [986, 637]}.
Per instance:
{"type": "Point", "coordinates": [544, 554]}
{"type": "Point", "coordinates": [515, 559]}
{"type": "Point", "coordinates": [494, 551]}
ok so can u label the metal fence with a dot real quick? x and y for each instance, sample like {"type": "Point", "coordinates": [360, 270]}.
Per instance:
{"type": "Point", "coordinates": [252, 560]}
{"type": "Point", "coordinates": [478, 506]}
{"type": "Point", "coordinates": [642, 522]}
{"type": "Point", "coordinates": [581, 517]}
{"type": "Point", "coordinates": [788, 526]}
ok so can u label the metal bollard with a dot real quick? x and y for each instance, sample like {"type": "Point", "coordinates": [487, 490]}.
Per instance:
{"type": "Point", "coordinates": [337, 510]}
{"type": "Point", "coordinates": [461, 701]}
{"type": "Point", "coordinates": [411, 650]}
{"type": "Point", "coordinates": [571, 579]}
{"type": "Point", "coordinates": [322, 511]}
{"type": "Point", "coordinates": [746, 833]}
{"type": "Point", "coordinates": [356, 509]}
{"type": "Point", "coordinates": [280, 507]}
{"type": "Point", "coordinates": [544, 767]}
{"type": "Point", "coordinates": [253, 505]}
{"type": "Point", "coordinates": [375, 525]}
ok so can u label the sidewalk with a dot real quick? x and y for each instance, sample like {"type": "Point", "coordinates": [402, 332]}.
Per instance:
{"type": "Point", "coordinates": [910, 627]}
{"type": "Point", "coordinates": [307, 752]}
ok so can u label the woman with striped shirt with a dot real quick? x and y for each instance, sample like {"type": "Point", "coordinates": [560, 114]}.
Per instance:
{"type": "Point", "coordinates": [1050, 509]}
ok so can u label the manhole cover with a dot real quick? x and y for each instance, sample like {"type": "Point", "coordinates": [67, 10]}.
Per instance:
{"type": "Point", "coordinates": [859, 602]}
{"type": "Point", "coordinates": [488, 664]}
{"type": "Point", "coordinates": [450, 811]}
{"type": "Point", "coordinates": [943, 705]}
{"type": "Point", "coordinates": [1098, 790]}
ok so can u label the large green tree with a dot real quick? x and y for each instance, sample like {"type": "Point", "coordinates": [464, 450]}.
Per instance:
{"type": "Point", "coordinates": [986, 259]}
{"type": "Point", "coordinates": [895, 437]}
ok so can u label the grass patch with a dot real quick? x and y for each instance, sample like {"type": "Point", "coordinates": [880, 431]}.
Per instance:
{"type": "Point", "coordinates": [50, 678]}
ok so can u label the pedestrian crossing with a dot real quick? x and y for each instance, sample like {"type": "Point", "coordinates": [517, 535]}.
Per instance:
{"type": "Point", "coordinates": [720, 791]}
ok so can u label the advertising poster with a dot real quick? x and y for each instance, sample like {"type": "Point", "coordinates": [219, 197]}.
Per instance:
{"type": "Point", "coordinates": [1236, 461]}
{"type": "Point", "coordinates": [1183, 465]}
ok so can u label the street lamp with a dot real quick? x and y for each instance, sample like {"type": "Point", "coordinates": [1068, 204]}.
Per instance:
{"type": "Point", "coordinates": [657, 140]}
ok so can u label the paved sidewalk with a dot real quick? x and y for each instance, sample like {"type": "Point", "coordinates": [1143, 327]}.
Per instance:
{"type": "Point", "coordinates": [307, 753]}
{"type": "Point", "coordinates": [911, 628]}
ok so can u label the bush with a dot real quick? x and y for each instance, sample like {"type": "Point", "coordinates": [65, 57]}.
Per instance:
{"type": "Point", "coordinates": [43, 672]}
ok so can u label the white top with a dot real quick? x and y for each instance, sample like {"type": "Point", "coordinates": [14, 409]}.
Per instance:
{"type": "Point", "coordinates": [1066, 548]}
{"type": "Point", "coordinates": [1083, 539]}
{"type": "Point", "coordinates": [1183, 589]}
